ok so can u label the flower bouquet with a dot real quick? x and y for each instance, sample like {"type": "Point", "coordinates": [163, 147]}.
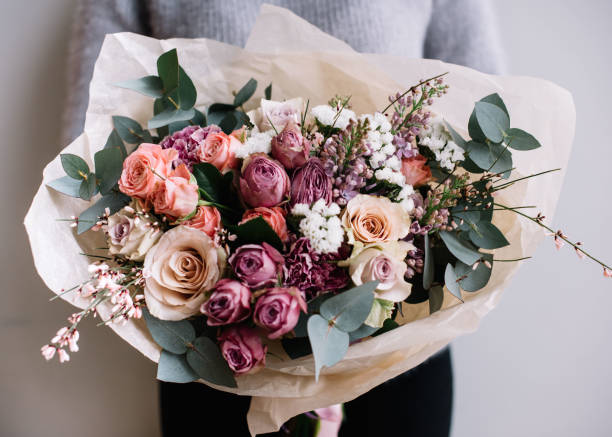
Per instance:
{"type": "Point", "coordinates": [303, 243]}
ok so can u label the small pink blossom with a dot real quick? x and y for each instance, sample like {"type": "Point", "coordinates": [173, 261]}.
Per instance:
{"type": "Point", "coordinates": [48, 351]}
{"type": "Point", "coordinates": [607, 272]}
{"type": "Point", "coordinates": [63, 355]}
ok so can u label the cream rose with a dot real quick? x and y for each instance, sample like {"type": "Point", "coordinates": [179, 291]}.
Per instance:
{"type": "Point", "coordinates": [278, 114]}
{"type": "Point", "coordinates": [384, 263]}
{"type": "Point", "coordinates": [179, 270]}
{"type": "Point", "coordinates": [375, 219]}
{"type": "Point", "coordinates": [129, 235]}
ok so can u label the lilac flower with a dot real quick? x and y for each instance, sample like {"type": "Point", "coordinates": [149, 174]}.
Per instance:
{"type": "Point", "coordinates": [186, 142]}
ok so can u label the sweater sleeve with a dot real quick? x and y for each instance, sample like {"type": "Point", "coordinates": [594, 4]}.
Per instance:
{"type": "Point", "coordinates": [464, 32]}
{"type": "Point", "coordinates": [93, 20]}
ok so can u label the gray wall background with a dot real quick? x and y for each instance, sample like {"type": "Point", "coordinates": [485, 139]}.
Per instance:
{"type": "Point", "coordinates": [540, 363]}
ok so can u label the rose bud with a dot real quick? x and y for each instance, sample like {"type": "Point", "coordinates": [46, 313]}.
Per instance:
{"type": "Point", "coordinates": [264, 181]}
{"type": "Point", "coordinates": [175, 196]}
{"type": "Point", "coordinates": [416, 171]}
{"type": "Point", "coordinates": [278, 310]}
{"type": "Point", "coordinates": [230, 302]}
{"type": "Point", "coordinates": [275, 217]}
{"type": "Point", "coordinates": [290, 147]}
{"type": "Point", "coordinates": [207, 219]}
{"type": "Point", "coordinates": [310, 183]}
{"type": "Point", "coordinates": [242, 349]}
{"type": "Point", "coordinates": [256, 265]}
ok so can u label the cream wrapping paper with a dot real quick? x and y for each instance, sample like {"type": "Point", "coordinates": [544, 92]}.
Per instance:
{"type": "Point", "coordinates": [301, 60]}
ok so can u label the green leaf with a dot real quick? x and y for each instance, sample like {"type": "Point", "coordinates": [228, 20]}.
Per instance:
{"type": "Point", "coordinates": [88, 187]}
{"type": "Point", "coordinates": [109, 165]}
{"type": "Point", "coordinates": [296, 347]}
{"type": "Point", "coordinates": [474, 279]}
{"type": "Point", "coordinates": [471, 166]}
{"type": "Point", "coordinates": [114, 140]}
{"type": "Point", "coordinates": [436, 298]}
{"type": "Point", "coordinates": [450, 280]}
{"type": "Point", "coordinates": [206, 359]}
{"type": "Point", "coordinates": [362, 332]}
{"type": "Point", "coordinates": [170, 115]}
{"type": "Point", "coordinates": [518, 139]}
{"type": "Point", "coordinates": [255, 231]}
{"type": "Point", "coordinates": [474, 129]}
{"type": "Point", "coordinates": [218, 188]}
{"type": "Point", "coordinates": [301, 327]}
{"type": "Point", "coordinates": [494, 158]}
{"type": "Point", "coordinates": [74, 166]}
{"type": "Point", "coordinates": [114, 202]}
{"type": "Point", "coordinates": [168, 70]}
{"type": "Point", "coordinates": [428, 267]}
{"type": "Point", "coordinates": [268, 92]}
{"type": "Point", "coordinates": [187, 93]}
{"type": "Point", "coordinates": [487, 236]}
{"type": "Point", "coordinates": [221, 107]}
{"type": "Point", "coordinates": [130, 130]}
{"type": "Point", "coordinates": [328, 343]}
{"type": "Point", "coordinates": [496, 100]}
{"type": "Point", "coordinates": [457, 138]}
{"type": "Point", "coordinates": [245, 93]}
{"type": "Point", "coordinates": [349, 309]}
{"type": "Point", "coordinates": [199, 119]}
{"type": "Point", "coordinates": [151, 86]}
{"type": "Point", "coordinates": [174, 368]}
{"type": "Point", "coordinates": [459, 248]}
{"type": "Point", "coordinates": [173, 336]}
{"type": "Point", "coordinates": [229, 123]}
{"type": "Point", "coordinates": [66, 185]}
{"type": "Point", "coordinates": [493, 121]}
{"type": "Point", "coordinates": [470, 217]}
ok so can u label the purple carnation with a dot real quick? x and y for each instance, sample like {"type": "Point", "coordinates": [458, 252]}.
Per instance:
{"type": "Point", "coordinates": [312, 272]}
{"type": "Point", "coordinates": [186, 142]}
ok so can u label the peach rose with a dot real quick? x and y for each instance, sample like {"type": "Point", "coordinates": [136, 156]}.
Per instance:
{"type": "Point", "coordinates": [143, 168]}
{"type": "Point", "coordinates": [375, 219]}
{"type": "Point", "coordinates": [416, 171]}
{"type": "Point", "coordinates": [219, 149]}
{"type": "Point", "coordinates": [207, 219]}
{"type": "Point", "coordinates": [274, 216]}
{"type": "Point", "coordinates": [175, 196]}
{"type": "Point", "coordinates": [179, 269]}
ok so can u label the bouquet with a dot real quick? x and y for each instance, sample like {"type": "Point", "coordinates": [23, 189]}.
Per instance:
{"type": "Point", "coordinates": [252, 242]}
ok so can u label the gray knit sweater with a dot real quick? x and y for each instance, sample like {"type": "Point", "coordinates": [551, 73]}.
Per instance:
{"type": "Point", "coordinates": [457, 31]}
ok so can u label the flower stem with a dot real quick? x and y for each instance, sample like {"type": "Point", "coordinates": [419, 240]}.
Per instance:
{"type": "Point", "coordinates": [412, 88]}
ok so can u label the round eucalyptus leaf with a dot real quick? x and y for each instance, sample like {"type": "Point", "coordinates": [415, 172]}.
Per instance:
{"type": "Point", "coordinates": [173, 336]}
{"type": "Point", "coordinates": [450, 280]}
{"type": "Point", "coordinates": [174, 368]}
{"type": "Point", "coordinates": [349, 309]}
{"type": "Point", "coordinates": [520, 140]}
{"type": "Point", "coordinates": [487, 236]}
{"type": "Point", "coordinates": [329, 344]}
{"type": "Point", "coordinates": [460, 248]}
{"type": "Point", "coordinates": [475, 279]}
{"type": "Point", "coordinates": [436, 298]}
{"type": "Point", "coordinates": [492, 121]}
{"type": "Point", "coordinates": [206, 359]}
{"type": "Point", "coordinates": [496, 100]}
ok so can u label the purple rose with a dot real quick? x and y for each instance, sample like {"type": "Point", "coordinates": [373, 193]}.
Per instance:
{"type": "Point", "coordinates": [256, 265]}
{"type": "Point", "coordinates": [310, 183]}
{"type": "Point", "coordinates": [264, 181]}
{"type": "Point", "coordinates": [278, 310]}
{"type": "Point", "coordinates": [242, 349]}
{"type": "Point", "coordinates": [290, 147]}
{"type": "Point", "coordinates": [312, 272]}
{"type": "Point", "coordinates": [186, 141]}
{"type": "Point", "coordinates": [230, 302]}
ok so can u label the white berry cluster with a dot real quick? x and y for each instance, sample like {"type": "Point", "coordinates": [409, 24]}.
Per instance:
{"type": "Point", "coordinates": [321, 225]}
{"type": "Point", "coordinates": [326, 115]}
{"type": "Point", "coordinates": [438, 140]}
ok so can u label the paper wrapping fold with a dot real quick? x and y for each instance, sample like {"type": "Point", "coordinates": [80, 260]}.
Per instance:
{"type": "Point", "coordinates": [300, 60]}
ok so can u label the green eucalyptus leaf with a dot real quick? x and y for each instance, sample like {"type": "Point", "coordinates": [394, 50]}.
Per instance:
{"type": "Point", "coordinates": [493, 157]}
{"type": "Point", "coordinates": [518, 139]}
{"type": "Point", "coordinates": [471, 166]}
{"type": "Point", "coordinates": [88, 187]}
{"type": "Point", "coordinates": [493, 121]}
{"type": "Point", "coordinates": [173, 336]}
{"type": "Point", "coordinates": [436, 298]}
{"type": "Point", "coordinates": [460, 248]}
{"type": "Point", "coordinates": [268, 92]}
{"type": "Point", "coordinates": [428, 266]}
{"type": "Point", "coordinates": [363, 331]}
{"type": "Point", "coordinates": [457, 138]}
{"type": "Point", "coordinates": [199, 119]}
{"type": "Point", "coordinates": [221, 107]}
{"type": "Point", "coordinates": [114, 141]}
{"type": "Point", "coordinates": [74, 166]}
{"type": "Point", "coordinates": [474, 130]}
{"type": "Point", "coordinates": [296, 347]}
{"type": "Point", "coordinates": [187, 93]}
{"type": "Point", "coordinates": [349, 309]}
{"type": "Point", "coordinates": [170, 115]}
{"type": "Point", "coordinates": [174, 368]}
{"type": "Point", "coordinates": [255, 231]}
{"type": "Point", "coordinates": [151, 86]}
{"type": "Point", "coordinates": [301, 327]}
{"type": "Point", "coordinates": [177, 126]}
{"type": "Point", "coordinates": [450, 280]}
{"type": "Point", "coordinates": [130, 130]}
{"type": "Point", "coordinates": [474, 280]}
{"type": "Point", "coordinates": [206, 359]}
{"type": "Point", "coordinates": [245, 93]}
{"type": "Point", "coordinates": [66, 185]}
{"type": "Point", "coordinates": [328, 343]}
{"type": "Point", "coordinates": [109, 165]}
{"type": "Point", "coordinates": [168, 70]}
{"type": "Point", "coordinates": [228, 123]}
{"type": "Point", "coordinates": [487, 236]}
{"type": "Point", "coordinates": [113, 201]}
{"type": "Point", "coordinates": [496, 100]}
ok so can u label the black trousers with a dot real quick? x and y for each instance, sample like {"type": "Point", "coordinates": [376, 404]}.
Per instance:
{"type": "Point", "coordinates": [417, 403]}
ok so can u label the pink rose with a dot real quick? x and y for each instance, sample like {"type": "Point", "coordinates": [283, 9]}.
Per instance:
{"type": "Point", "coordinates": [264, 181]}
{"type": "Point", "coordinates": [278, 310]}
{"type": "Point", "coordinates": [219, 149]}
{"type": "Point", "coordinates": [274, 216]}
{"type": "Point", "coordinates": [290, 147]}
{"type": "Point", "coordinates": [416, 171]}
{"type": "Point", "coordinates": [242, 349]}
{"type": "Point", "coordinates": [257, 265]}
{"type": "Point", "coordinates": [230, 302]}
{"type": "Point", "coordinates": [144, 168]}
{"type": "Point", "coordinates": [207, 219]}
{"type": "Point", "coordinates": [175, 196]}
